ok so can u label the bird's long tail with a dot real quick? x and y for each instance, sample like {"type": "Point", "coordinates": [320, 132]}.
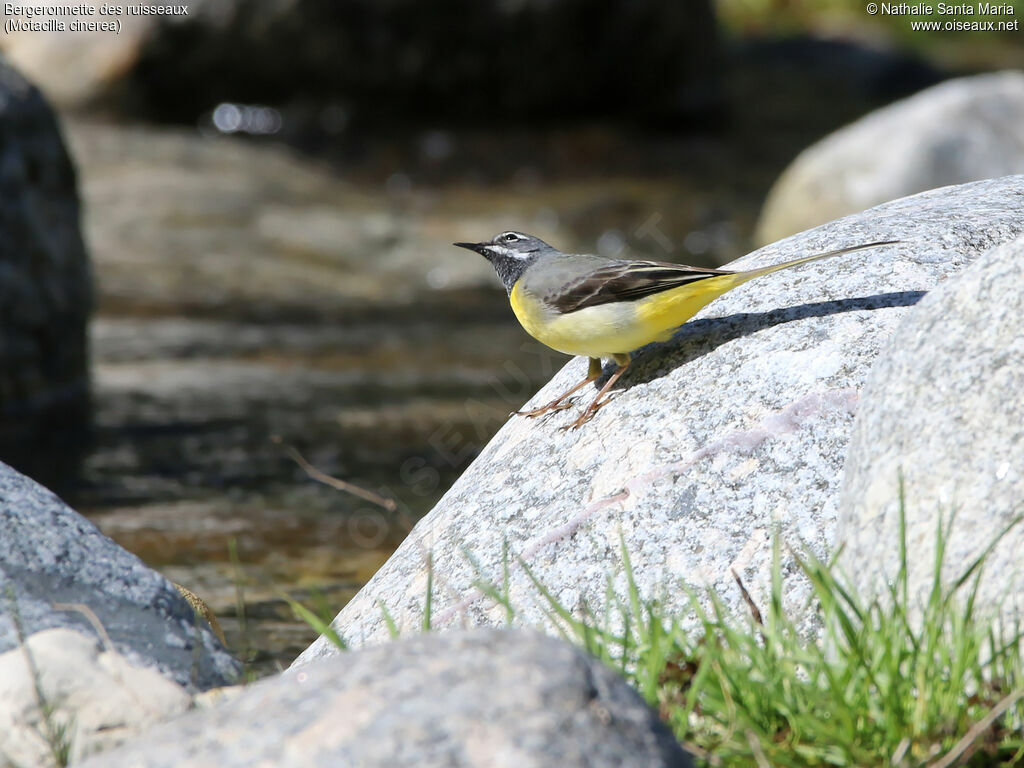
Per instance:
{"type": "Point", "coordinates": [743, 277]}
{"type": "Point", "coordinates": [686, 302]}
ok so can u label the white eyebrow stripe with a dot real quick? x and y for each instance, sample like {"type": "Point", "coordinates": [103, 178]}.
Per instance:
{"type": "Point", "coordinates": [501, 250]}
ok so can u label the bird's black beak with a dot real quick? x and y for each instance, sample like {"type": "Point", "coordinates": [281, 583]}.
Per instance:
{"type": "Point", "coordinates": [480, 248]}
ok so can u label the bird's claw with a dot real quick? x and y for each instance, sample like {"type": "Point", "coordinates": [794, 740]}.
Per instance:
{"type": "Point", "coordinates": [587, 414]}
{"type": "Point", "coordinates": [544, 409]}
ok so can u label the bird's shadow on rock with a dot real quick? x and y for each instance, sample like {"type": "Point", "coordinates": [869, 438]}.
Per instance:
{"type": "Point", "coordinates": [699, 337]}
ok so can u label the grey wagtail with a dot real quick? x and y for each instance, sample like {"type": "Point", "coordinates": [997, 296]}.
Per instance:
{"type": "Point", "coordinates": [582, 304]}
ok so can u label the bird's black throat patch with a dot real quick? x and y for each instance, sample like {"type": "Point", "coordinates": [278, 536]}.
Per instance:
{"type": "Point", "coordinates": [509, 268]}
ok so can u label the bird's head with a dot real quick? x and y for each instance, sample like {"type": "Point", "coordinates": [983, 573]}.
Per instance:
{"type": "Point", "coordinates": [510, 253]}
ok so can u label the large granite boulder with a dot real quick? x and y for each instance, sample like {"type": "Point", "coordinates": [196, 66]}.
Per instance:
{"type": "Point", "coordinates": [734, 429]}
{"type": "Point", "coordinates": [942, 417]}
{"type": "Point", "coordinates": [962, 130]}
{"type": "Point", "coordinates": [52, 559]}
{"type": "Point", "coordinates": [45, 289]}
{"type": "Point", "coordinates": [481, 698]}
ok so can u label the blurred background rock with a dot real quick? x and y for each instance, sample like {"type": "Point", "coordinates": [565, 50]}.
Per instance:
{"type": "Point", "coordinates": [45, 290]}
{"type": "Point", "coordinates": [270, 189]}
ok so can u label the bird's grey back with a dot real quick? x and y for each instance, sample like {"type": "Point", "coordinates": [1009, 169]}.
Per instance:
{"type": "Point", "coordinates": [554, 270]}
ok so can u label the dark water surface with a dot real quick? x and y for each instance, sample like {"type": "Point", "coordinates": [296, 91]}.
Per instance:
{"type": "Point", "coordinates": [186, 463]}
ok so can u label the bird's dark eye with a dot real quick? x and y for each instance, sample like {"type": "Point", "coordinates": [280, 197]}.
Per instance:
{"type": "Point", "coordinates": [510, 237]}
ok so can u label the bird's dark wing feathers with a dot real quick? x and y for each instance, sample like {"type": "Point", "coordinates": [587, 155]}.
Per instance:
{"type": "Point", "coordinates": [626, 281]}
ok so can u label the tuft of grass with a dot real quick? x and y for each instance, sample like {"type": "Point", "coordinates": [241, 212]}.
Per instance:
{"type": "Point", "coordinates": [246, 651]}
{"type": "Point", "coordinates": [890, 681]}
{"type": "Point", "coordinates": [56, 732]}
{"type": "Point", "coordinates": [428, 603]}
{"type": "Point", "coordinates": [317, 621]}
{"type": "Point", "coordinates": [883, 685]}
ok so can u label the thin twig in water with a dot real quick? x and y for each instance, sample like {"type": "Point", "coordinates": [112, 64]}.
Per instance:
{"type": "Point", "coordinates": [333, 482]}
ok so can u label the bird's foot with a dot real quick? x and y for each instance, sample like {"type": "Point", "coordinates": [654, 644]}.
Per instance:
{"type": "Point", "coordinates": [564, 400]}
{"type": "Point", "coordinates": [588, 413]}
{"type": "Point", "coordinates": [554, 406]}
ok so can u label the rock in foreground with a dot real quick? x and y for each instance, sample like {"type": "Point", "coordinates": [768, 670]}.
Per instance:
{"type": "Point", "coordinates": [483, 698]}
{"type": "Point", "coordinates": [943, 413]}
{"type": "Point", "coordinates": [737, 427]}
{"type": "Point", "coordinates": [102, 699]}
{"type": "Point", "coordinates": [52, 558]}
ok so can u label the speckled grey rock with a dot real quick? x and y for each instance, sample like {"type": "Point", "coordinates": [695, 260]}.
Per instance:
{"type": "Point", "coordinates": [962, 130]}
{"type": "Point", "coordinates": [736, 427]}
{"type": "Point", "coordinates": [482, 698]}
{"type": "Point", "coordinates": [944, 409]}
{"type": "Point", "coordinates": [45, 286]}
{"type": "Point", "coordinates": [51, 554]}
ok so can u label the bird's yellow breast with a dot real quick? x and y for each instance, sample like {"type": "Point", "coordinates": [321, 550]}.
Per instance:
{"type": "Point", "coordinates": [615, 328]}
